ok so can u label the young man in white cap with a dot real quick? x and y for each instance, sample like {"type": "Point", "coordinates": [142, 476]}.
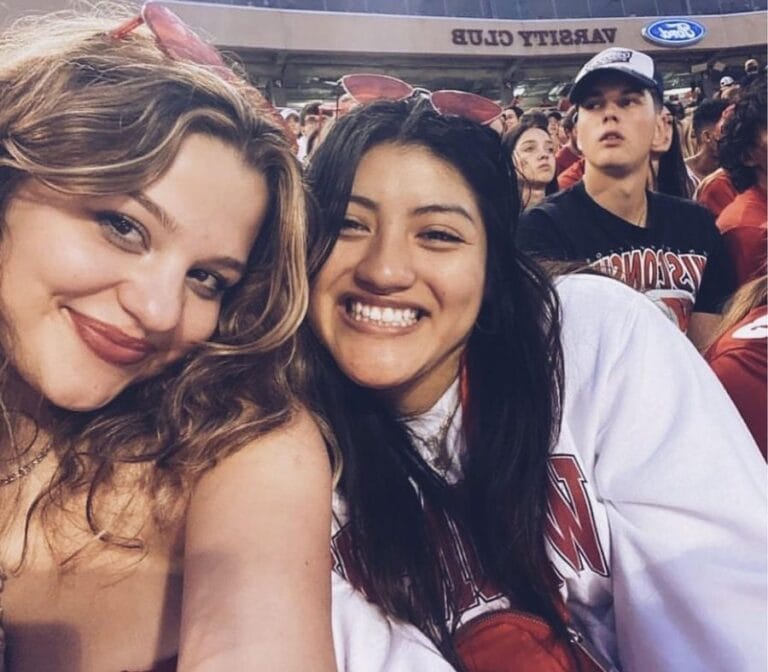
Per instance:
{"type": "Point", "coordinates": [667, 247]}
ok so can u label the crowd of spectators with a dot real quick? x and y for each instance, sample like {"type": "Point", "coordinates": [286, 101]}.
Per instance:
{"type": "Point", "coordinates": [699, 165]}
{"type": "Point", "coordinates": [441, 400]}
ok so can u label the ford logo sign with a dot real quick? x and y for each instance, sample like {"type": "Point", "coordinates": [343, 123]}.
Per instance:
{"type": "Point", "coordinates": [674, 32]}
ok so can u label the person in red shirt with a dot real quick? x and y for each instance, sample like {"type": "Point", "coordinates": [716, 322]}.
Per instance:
{"type": "Point", "coordinates": [746, 246]}
{"type": "Point", "coordinates": [742, 148]}
{"type": "Point", "coordinates": [706, 160]}
{"type": "Point", "coordinates": [571, 175]}
{"type": "Point", "coordinates": [749, 208]}
{"type": "Point", "coordinates": [568, 153]}
{"type": "Point", "coordinates": [716, 191]}
{"type": "Point", "coordinates": [738, 356]}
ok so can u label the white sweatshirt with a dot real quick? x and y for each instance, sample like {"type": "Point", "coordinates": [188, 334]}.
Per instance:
{"type": "Point", "coordinates": [657, 500]}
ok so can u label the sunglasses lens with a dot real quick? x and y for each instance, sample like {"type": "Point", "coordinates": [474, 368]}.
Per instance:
{"type": "Point", "coordinates": [467, 105]}
{"type": "Point", "coordinates": [367, 88]}
{"type": "Point", "coordinates": [178, 40]}
{"type": "Point", "coordinates": [180, 43]}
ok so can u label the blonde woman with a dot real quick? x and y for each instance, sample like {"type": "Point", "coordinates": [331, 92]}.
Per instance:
{"type": "Point", "coordinates": [161, 492]}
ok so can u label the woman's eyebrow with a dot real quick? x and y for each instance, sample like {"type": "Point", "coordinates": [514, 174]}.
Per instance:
{"type": "Point", "coordinates": [227, 262]}
{"type": "Point", "coordinates": [363, 201]}
{"type": "Point", "coordinates": [421, 210]}
{"type": "Point", "coordinates": [443, 208]}
{"type": "Point", "coordinates": [170, 224]}
{"type": "Point", "coordinates": [156, 210]}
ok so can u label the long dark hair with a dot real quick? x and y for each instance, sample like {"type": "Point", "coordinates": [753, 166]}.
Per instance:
{"type": "Point", "coordinates": [741, 133]}
{"type": "Point", "coordinates": [672, 177]}
{"type": "Point", "coordinates": [513, 369]}
{"type": "Point", "coordinates": [512, 137]}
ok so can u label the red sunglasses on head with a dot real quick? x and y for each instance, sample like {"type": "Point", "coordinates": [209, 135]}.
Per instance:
{"type": "Point", "coordinates": [366, 88]}
{"type": "Point", "coordinates": [175, 39]}
{"type": "Point", "coordinates": [179, 42]}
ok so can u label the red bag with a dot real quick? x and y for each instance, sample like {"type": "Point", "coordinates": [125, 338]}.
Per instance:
{"type": "Point", "coordinates": [515, 641]}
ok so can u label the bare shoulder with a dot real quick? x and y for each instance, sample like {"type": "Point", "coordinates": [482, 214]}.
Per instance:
{"type": "Point", "coordinates": [300, 433]}
{"type": "Point", "coordinates": [291, 460]}
{"type": "Point", "coordinates": [257, 556]}
{"type": "Point", "coordinates": [297, 444]}
{"type": "Point", "coordinates": [279, 484]}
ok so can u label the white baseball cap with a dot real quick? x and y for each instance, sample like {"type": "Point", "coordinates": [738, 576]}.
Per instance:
{"type": "Point", "coordinates": [726, 81]}
{"type": "Point", "coordinates": [634, 64]}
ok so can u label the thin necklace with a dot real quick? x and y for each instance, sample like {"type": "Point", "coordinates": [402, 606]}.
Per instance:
{"type": "Point", "coordinates": [437, 455]}
{"type": "Point", "coordinates": [26, 468]}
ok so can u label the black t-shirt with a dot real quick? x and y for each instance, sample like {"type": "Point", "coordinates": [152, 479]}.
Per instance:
{"type": "Point", "coordinates": [678, 259]}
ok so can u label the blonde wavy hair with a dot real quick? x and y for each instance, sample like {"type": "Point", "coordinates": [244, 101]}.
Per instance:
{"type": "Point", "coordinates": [85, 113]}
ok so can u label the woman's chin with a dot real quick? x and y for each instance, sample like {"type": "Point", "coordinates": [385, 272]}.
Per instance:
{"type": "Point", "coordinates": [82, 402]}
{"type": "Point", "coordinates": [375, 382]}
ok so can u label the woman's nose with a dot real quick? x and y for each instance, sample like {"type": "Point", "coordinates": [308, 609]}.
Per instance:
{"type": "Point", "coordinates": [387, 265]}
{"type": "Point", "coordinates": [155, 298]}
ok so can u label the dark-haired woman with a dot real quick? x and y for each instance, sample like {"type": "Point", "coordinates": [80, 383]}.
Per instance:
{"type": "Point", "coordinates": [669, 174]}
{"type": "Point", "coordinates": [533, 154]}
{"type": "Point", "coordinates": [519, 457]}
{"type": "Point", "coordinates": [742, 149]}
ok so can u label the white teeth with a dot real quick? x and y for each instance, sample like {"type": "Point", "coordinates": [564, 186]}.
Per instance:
{"type": "Point", "coordinates": [389, 317]}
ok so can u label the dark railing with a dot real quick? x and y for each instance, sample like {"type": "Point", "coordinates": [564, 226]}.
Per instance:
{"type": "Point", "coordinates": [515, 9]}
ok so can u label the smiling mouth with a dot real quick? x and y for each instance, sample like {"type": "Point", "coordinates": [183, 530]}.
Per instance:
{"type": "Point", "coordinates": [382, 316]}
{"type": "Point", "coordinates": [109, 343]}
